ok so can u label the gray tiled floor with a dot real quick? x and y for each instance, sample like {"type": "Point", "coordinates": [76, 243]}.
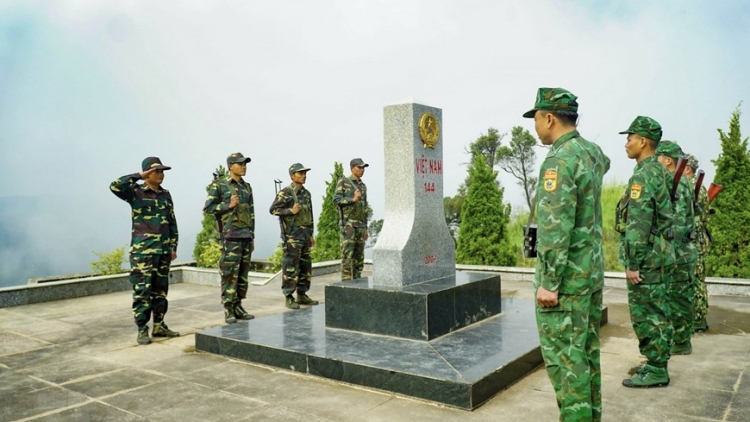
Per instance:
{"type": "Point", "coordinates": [77, 360]}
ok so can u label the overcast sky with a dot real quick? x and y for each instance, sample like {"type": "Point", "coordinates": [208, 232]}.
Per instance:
{"type": "Point", "coordinates": [90, 88]}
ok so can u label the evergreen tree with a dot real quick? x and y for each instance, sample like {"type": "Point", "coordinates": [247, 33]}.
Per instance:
{"type": "Point", "coordinates": [207, 249]}
{"type": "Point", "coordinates": [327, 245]}
{"type": "Point", "coordinates": [730, 252]}
{"type": "Point", "coordinates": [482, 238]}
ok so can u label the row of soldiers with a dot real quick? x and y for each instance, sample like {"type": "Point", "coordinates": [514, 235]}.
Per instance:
{"type": "Point", "coordinates": [154, 236]}
{"type": "Point", "coordinates": [661, 220]}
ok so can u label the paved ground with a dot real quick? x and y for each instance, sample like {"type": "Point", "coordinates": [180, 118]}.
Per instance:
{"type": "Point", "coordinates": [78, 360]}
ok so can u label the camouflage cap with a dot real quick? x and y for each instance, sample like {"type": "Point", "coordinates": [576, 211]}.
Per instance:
{"type": "Point", "coordinates": [297, 167]}
{"type": "Point", "coordinates": [237, 157]}
{"type": "Point", "coordinates": [553, 99]}
{"type": "Point", "coordinates": [153, 163]}
{"type": "Point", "coordinates": [669, 149]}
{"type": "Point", "coordinates": [646, 127]}
{"type": "Point", "coordinates": [692, 161]}
{"type": "Point", "coordinates": [357, 162]}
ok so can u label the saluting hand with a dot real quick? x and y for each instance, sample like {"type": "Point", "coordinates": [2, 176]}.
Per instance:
{"type": "Point", "coordinates": [234, 201]}
{"type": "Point", "coordinates": [295, 209]}
{"type": "Point", "coordinates": [144, 174]}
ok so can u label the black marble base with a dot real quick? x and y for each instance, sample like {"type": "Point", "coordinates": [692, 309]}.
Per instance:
{"type": "Point", "coordinates": [423, 311]}
{"type": "Point", "coordinates": [463, 368]}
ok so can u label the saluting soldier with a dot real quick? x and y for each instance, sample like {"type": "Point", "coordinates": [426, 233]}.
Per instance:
{"type": "Point", "coordinates": [293, 206]}
{"type": "Point", "coordinates": [644, 219]}
{"type": "Point", "coordinates": [153, 245]}
{"type": "Point", "coordinates": [570, 261]}
{"type": "Point", "coordinates": [231, 200]}
{"type": "Point", "coordinates": [351, 199]}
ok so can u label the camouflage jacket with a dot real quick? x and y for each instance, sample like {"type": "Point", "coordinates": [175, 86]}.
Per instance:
{"type": "Point", "coordinates": [239, 222]}
{"type": "Point", "coordinates": [684, 222]}
{"type": "Point", "coordinates": [645, 217]}
{"type": "Point", "coordinates": [701, 218]}
{"type": "Point", "coordinates": [300, 224]}
{"type": "Point", "coordinates": [154, 225]}
{"type": "Point", "coordinates": [350, 212]}
{"type": "Point", "coordinates": [569, 217]}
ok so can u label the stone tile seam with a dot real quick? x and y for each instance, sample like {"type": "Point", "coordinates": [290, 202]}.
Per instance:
{"type": "Point", "coordinates": [91, 377]}
{"type": "Point", "coordinates": [54, 411]}
{"type": "Point", "coordinates": [29, 337]}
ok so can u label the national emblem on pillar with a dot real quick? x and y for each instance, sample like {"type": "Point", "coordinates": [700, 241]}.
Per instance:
{"type": "Point", "coordinates": [429, 130]}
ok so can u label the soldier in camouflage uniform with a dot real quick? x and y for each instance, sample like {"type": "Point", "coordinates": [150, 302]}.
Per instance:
{"type": "Point", "coordinates": [153, 245]}
{"type": "Point", "coordinates": [351, 199]}
{"type": "Point", "coordinates": [681, 281]}
{"type": "Point", "coordinates": [231, 200]}
{"type": "Point", "coordinates": [644, 219]}
{"type": "Point", "coordinates": [293, 206]}
{"type": "Point", "coordinates": [702, 245]}
{"type": "Point", "coordinates": [570, 262]}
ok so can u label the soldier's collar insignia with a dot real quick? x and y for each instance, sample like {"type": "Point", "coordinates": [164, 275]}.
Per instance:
{"type": "Point", "coordinates": [550, 180]}
{"type": "Point", "coordinates": [635, 191]}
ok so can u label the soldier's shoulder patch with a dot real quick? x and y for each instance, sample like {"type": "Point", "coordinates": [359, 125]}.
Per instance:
{"type": "Point", "coordinates": [635, 191]}
{"type": "Point", "coordinates": [550, 180]}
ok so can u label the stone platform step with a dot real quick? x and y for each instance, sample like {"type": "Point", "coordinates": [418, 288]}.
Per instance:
{"type": "Point", "coordinates": [462, 369]}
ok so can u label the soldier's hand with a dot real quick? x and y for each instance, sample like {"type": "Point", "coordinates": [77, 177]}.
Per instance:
{"type": "Point", "coordinates": [357, 195]}
{"type": "Point", "coordinates": [634, 277]}
{"type": "Point", "coordinates": [174, 256]}
{"type": "Point", "coordinates": [295, 209]}
{"type": "Point", "coordinates": [234, 201]}
{"type": "Point", "coordinates": [312, 242]}
{"type": "Point", "coordinates": [367, 235]}
{"type": "Point", "coordinates": [144, 174]}
{"type": "Point", "coordinates": [546, 298]}
{"type": "Point", "coordinates": [252, 245]}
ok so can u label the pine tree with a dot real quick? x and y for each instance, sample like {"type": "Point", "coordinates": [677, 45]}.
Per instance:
{"type": "Point", "coordinates": [482, 238]}
{"type": "Point", "coordinates": [730, 252]}
{"type": "Point", "coordinates": [327, 245]}
{"type": "Point", "coordinates": [207, 249]}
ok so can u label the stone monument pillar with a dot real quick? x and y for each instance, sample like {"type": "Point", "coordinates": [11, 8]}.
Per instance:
{"type": "Point", "coordinates": [415, 244]}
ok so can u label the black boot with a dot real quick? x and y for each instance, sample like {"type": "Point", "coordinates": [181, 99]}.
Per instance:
{"type": "Point", "coordinates": [143, 337]}
{"type": "Point", "coordinates": [161, 330]}
{"type": "Point", "coordinates": [241, 313]}
{"type": "Point", "coordinates": [229, 313]}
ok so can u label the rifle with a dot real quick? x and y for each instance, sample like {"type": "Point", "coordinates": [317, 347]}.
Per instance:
{"type": "Point", "coordinates": [713, 191]}
{"type": "Point", "coordinates": [698, 185]}
{"type": "Point", "coordinates": [219, 222]}
{"type": "Point", "coordinates": [681, 163]}
{"type": "Point", "coordinates": [284, 231]}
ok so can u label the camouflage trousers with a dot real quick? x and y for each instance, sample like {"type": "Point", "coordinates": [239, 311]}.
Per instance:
{"type": "Point", "coordinates": [700, 304]}
{"type": "Point", "coordinates": [650, 316]}
{"type": "Point", "coordinates": [681, 297]}
{"type": "Point", "coordinates": [296, 265]}
{"type": "Point", "coordinates": [150, 279]}
{"type": "Point", "coordinates": [569, 338]}
{"type": "Point", "coordinates": [352, 241]}
{"type": "Point", "coordinates": [234, 264]}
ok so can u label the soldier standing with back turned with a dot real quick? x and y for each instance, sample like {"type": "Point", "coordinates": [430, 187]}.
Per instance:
{"type": "Point", "coordinates": [231, 200]}
{"type": "Point", "coordinates": [644, 219]}
{"type": "Point", "coordinates": [351, 199]}
{"type": "Point", "coordinates": [293, 206]}
{"type": "Point", "coordinates": [570, 261]}
{"type": "Point", "coordinates": [153, 245]}
{"type": "Point", "coordinates": [682, 279]}
{"type": "Point", "coordinates": [702, 244]}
